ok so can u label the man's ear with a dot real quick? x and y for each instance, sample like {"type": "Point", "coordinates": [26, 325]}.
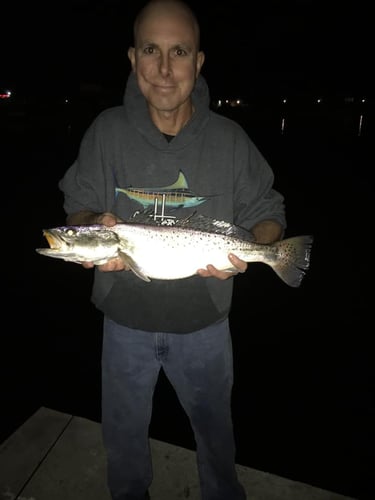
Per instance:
{"type": "Point", "coordinates": [131, 55]}
{"type": "Point", "coordinates": [200, 60]}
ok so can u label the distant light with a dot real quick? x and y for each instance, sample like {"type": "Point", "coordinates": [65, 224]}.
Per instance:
{"type": "Point", "coordinates": [318, 100]}
{"type": "Point", "coordinates": [363, 100]}
{"type": "Point", "coordinates": [360, 125]}
{"type": "Point", "coordinates": [282, 125]}
{"type": "Point", "coordinates": [66, 101]}
{"type": "Point", "coordinates": [284, 101]}
{"type": "Point", "coordinates": [6, 94]}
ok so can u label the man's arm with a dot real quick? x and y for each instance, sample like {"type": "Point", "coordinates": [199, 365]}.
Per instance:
{"type": "Point", "coordinates": [89, 217]}
{"type": "Point", "coordinates": [267, 231]}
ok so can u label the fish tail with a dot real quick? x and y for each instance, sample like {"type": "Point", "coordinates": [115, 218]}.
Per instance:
{"type": "Point", "coordinates": [293, 259]}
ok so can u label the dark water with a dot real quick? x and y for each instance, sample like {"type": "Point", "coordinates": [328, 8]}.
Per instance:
{"type": "Point", "coordinates": [303, 401]}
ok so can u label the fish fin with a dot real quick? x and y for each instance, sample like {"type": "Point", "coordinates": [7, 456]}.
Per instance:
{"type": "Point", "coordinates": [294, 259]}
{"type": "Point", "coordinates": [128, 261]}
{"type": "Point", "coordinates": [181, 183]}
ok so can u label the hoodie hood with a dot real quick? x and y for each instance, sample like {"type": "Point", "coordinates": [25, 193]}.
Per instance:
{"type": "Point", "coordinates": [138, 114]}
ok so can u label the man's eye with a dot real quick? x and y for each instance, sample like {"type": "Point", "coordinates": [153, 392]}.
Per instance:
{"type": "Point", "coordinates": [149, 50]}
{"type": "Point", "coordinates": [180, 52]}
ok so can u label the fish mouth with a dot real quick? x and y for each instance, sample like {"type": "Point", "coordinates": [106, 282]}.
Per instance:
{"type": "Point", "coordinates": [53, 240]}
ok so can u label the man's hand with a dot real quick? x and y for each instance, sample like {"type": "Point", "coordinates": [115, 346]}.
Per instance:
{"type": "Point", "coordinates": [239, 266]}
{"type": "Point", "coordinates": [116, 264]}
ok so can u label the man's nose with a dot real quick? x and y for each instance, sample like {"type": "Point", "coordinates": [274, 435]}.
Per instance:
{"type": "Point", "coordinates": [165, 64]}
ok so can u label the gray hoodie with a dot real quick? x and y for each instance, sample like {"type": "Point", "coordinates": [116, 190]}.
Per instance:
{"type": "Point", "coordinates": [211, 167]}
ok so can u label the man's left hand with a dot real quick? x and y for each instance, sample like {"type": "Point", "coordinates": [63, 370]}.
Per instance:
{"type": "Point", "coordinates": [238, 266]}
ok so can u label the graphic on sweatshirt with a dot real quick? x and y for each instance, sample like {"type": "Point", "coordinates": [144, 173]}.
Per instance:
{"type": "Point", "coordinates": [176, 195]}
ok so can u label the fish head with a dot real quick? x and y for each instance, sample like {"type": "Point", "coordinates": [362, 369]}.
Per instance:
{"type": "Point", "coordinates": [88, 243]}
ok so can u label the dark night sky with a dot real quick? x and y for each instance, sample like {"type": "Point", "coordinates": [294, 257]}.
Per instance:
{"type": "Point", "coordinates": [295, 45]}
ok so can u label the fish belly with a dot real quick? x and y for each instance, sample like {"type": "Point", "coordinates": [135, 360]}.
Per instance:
{"type": "Point", "coordinates": [176, 255]}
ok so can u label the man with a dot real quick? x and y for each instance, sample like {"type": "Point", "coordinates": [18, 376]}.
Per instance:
{"type": "Point", "coordinates": [165, 144]}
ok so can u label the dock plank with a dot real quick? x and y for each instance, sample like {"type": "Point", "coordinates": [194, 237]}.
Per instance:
{"type": "Point", "coordinates": [61, 457]}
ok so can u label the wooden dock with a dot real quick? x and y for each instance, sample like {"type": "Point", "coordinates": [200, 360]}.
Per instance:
{"type": "Point", "coordinates": [57, 456]}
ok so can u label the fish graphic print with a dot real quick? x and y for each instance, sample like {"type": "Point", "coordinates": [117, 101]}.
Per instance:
{"type": "Point", "coordinates": [176, 195]}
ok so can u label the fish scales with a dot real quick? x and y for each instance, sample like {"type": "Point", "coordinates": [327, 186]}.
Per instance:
{"type": "Point", "coordinates": [175, 249]}
{"type": "Point", "coordinates": [174, 253]}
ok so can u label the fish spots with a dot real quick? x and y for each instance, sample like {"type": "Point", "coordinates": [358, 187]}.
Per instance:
{"type": "Point", "coordinates": [157, 251]}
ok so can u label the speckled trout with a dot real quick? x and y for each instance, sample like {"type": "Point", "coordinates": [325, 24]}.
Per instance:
{"type": "Point", "coordinates": [171, 249]}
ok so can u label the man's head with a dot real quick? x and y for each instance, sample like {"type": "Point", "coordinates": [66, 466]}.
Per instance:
{"type": "Point", "coordinates": [166, 57]}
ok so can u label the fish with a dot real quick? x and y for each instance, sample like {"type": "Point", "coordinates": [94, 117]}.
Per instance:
{"type": "Point", "coordinates": [171, 249]}
{"type": "Point", "coordinates": [176, 195]}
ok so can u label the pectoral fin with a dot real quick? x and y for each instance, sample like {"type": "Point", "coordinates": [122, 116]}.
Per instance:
{"type": "Point", "coordinates": [132, 265]}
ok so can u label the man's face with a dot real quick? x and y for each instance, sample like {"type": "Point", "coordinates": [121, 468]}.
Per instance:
{"type": "Point", "coordinates": [166, 60]}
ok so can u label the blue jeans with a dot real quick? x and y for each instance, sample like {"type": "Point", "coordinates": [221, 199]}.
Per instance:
{"type": "Point", "coordinates": [199, 366]}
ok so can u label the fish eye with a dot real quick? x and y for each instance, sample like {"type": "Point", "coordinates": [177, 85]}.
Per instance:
{"type": "Point", "coordinates": [70, 232]}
